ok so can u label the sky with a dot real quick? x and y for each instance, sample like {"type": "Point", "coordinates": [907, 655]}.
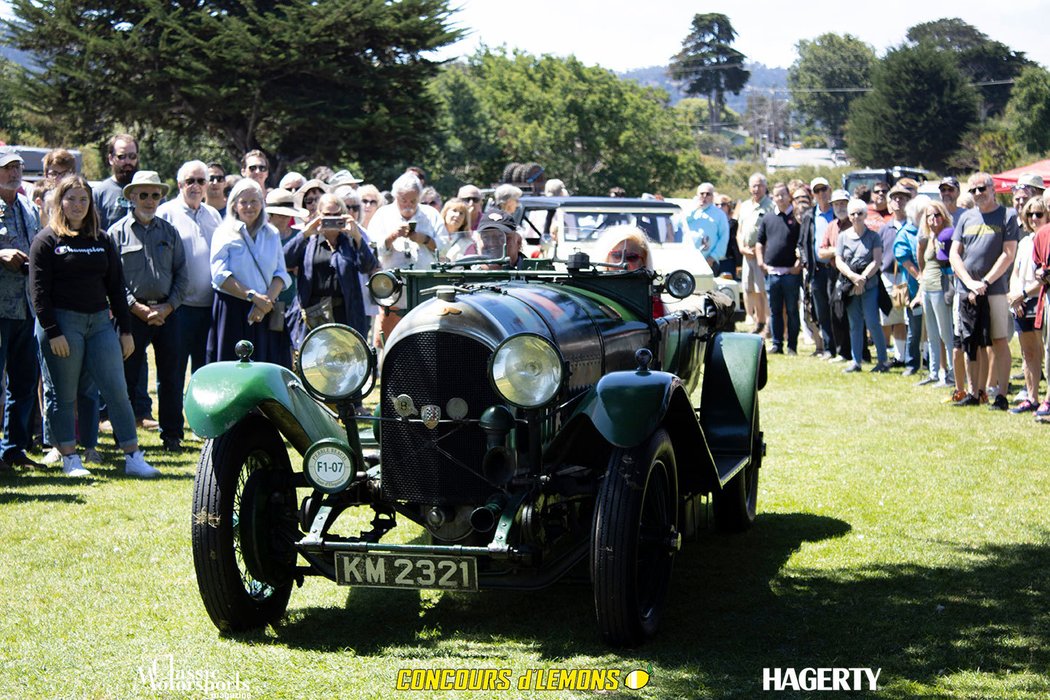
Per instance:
{"type": "Point", "coordinates": [624, 35]}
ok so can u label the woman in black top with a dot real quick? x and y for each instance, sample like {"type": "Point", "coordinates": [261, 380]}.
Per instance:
{"type": "Point", "coordinates": [75, 280]}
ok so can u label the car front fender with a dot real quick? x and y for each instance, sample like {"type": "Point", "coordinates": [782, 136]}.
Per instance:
{"type": "Point", "coordinates": [221, 393]}
{"type": "Point", "coordinates": [626, 407]}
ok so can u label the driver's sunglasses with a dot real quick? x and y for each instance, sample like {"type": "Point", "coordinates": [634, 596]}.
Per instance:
{"type": "Point", "coordinates": [630, 257]}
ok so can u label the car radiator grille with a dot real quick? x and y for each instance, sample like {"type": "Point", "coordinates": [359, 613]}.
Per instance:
{"type": "Point", "coordinates": [424, 465]}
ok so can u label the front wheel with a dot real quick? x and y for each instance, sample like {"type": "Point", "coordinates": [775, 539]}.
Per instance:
{"type": "Point", "coordinates": [634, 540]}
{"type": "Point", "coordinates": [244, 526]}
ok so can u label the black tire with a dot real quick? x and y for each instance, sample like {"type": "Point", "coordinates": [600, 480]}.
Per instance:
{"type": "Point", "coordinates": [635, 538]}
{"type": "Point", "coordinates": [736, 505]}
{"type": "Point", "coordinates": [244, 526]}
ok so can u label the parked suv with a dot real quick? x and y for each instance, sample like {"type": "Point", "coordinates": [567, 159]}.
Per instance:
{"type": "Point", "coordinates": [888, 175]}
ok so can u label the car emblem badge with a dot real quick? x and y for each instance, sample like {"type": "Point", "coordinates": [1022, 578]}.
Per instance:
{"type": "Point", "coordinates": [450, 310]}
{"type": "Point", "coordinates": [431, 414]}
{"type": "Point", "coordinates": [456, 408]}
{"type": "Point", "coordinates": [404, 407]}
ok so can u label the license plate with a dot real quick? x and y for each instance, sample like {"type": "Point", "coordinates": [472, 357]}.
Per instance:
{"type": "Point", "coordinates": [415, 571]}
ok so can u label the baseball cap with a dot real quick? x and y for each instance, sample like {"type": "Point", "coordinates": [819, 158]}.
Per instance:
{"type": "Point", "coordinates": [950, 182]}
{"type": "Point", "coordinates": [900, 189]}
{"type": "Point", "coordinates": [9, 155]}
{"type": "Point", "coordinates": [499, 221]}
{"type": "Point", "coordinates": [818, 182]}
{"type": "Point", "coordinates": [840, 196]}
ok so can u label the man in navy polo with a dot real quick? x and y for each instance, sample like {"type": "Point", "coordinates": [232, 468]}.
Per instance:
{"type": "Point", "coordinates": [777, 254]}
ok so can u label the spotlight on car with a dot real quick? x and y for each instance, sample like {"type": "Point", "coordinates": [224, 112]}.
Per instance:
{"type": "Point", "coordinates": [527, 370]}
{"type": "Point", "coordinates": [335, 362]}
{"type": "Point", "coordinates": [385, 288]}
{"type": "Point", "coordinates": [680, 284]}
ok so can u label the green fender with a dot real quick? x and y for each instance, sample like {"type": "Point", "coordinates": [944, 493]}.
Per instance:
{"type": "Point", "coordinates": [222, 393]}
{"type": "Point", "coordinates": [626, 407]}
{"type": "Point", "coordinates": [734, 371]}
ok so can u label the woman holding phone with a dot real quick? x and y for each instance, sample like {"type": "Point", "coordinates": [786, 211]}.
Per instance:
{"type": "Point", "coordinates": [327, 257]}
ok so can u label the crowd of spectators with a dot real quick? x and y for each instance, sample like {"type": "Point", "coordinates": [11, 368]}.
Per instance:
{"type": "Point", "coordinates": [90, 277]}
{"type": "Point", "coordinates": [938, 285]}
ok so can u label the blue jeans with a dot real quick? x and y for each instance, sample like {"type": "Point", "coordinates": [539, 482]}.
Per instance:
{"type": "Point", "coordinates": [93, 345]}
{"type": "Point", "coordinates": [864, 309]}
{"type": "Point", "coordinates": [913, 344]}
{"type": "Point", "coordinates": [783, 291]}
{"type": "Point", "coordinates": [194, 323]}
{"type": "Point", "coordinates": [167, 348]}
{"type": "Point", "coordinates": [18, 353]}
{"type": "Point", "coordinates": [87, 407]}
{"type": "Point", "coordinates": [818, 287]}
{"type": "Point", "coordinates": [938, 315]}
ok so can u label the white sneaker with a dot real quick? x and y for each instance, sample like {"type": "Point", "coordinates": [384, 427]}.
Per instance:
{"type": "Point", "coordinates": [52, 457]}
{"type": "Point", "coordinates": [135, 465]}
{"type": "Point", "coordinates": [71, 466]}
{"type": "Point", "coordinates": [92, 456]}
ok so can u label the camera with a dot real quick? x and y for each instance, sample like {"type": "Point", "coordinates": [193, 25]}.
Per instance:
{"type": "Point", "coordinates": [411, 226]}
{"type": "Point", "coordinates": [336, 222]}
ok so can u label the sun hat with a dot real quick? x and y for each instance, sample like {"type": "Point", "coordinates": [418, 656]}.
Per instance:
{"type": "Point", "coordinates": [282, 203]}
{"type": "Point", "coordinates": [145, 178]}
{"type": "Point", "coordinates": [9, 155]}
{"type": "Point", "coordinates": [840, 196]}
{"type": "Point", "coordinates": [1031, 180]}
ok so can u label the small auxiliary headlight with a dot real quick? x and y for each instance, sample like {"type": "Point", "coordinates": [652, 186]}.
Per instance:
{"type": "Point", "coordinates": [527, 370]}
{"type": "Point", "coordinates": [335, 362]}
{"type": "Point", "coordinates": [385, 287]}
{"type": "Point", "coordinates": [680, 284]}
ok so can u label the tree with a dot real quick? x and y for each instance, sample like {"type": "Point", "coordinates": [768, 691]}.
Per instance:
{"type": "Point", "coordinates": [583, 124]}
{"type": "Point", "coordinates": [708, 64]}
{"type": "Point", "coordinates": [329, 80]}
{"type": "Point", "coordinates": [1028, 111]}
{"type": "Point", "coordinates": [825, 76]}
{"type": "Point", "coordinates": [916, 113]}
{"type": "Point", "coordinates": [981, 59]}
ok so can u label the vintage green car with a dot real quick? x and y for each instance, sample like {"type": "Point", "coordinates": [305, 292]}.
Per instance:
{"type": "Point", "coordinates": [531, 422]}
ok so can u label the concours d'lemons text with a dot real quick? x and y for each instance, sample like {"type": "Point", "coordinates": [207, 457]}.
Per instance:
{"type": "Point", "coordinates": [504, 679]}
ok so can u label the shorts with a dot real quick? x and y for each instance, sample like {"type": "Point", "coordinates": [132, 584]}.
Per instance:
{"type": "Point", "coordinates": [752, 279]}
{"type": "Point", "coordinates": [896, 316]}
{"type": "Point", "coordinates": [998, 313]}
{"type": "Point", "coordinates": [1026, 324]}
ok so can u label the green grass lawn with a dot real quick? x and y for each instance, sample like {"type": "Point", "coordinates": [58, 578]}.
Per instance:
{"type": "Point", "coordinates": [895, 532]}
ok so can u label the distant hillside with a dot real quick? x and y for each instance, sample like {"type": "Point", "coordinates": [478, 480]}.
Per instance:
{"type": "Point", "coordinates": [15, 56]}
{"type": "Point", "coordinates": [761, 77]}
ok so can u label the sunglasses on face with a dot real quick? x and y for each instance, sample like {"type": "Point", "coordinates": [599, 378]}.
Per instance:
{"type": "Point", "coordinates": [880, 191]}
{"type": "Point", "coordinates": [195, 181]}
{"type": "Point", "coordinates": [258, 168]}
{"type": "Point", "coordinates": [977, 190]}
{"type": "Point", "coordinates": [1036, 214]}
{"type": "Point", "coordinates": [369, 202]}
{"type": "Point", "coordinates": [431, 203]}
{"type": "Point", "coordinates": [472, 200]}
{"type": "Point", "coordinates": [819, 188]}
{"type": "Point", "coordinates": [149, 195]}
{"type": "Point", "coordinates": [353, 207]}
{"type": "Point", "coordinates": [125, 156]}
{"type": "Point", "coordinates": [617, 255]}
{"type": "Point", "coordinates": [935, 215]}
{"type": "Point", "coordinates": [307, 201]}
{"type": "Point", "coordinates": [216, 178]}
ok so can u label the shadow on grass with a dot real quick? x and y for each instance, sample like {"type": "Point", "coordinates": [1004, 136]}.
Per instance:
{"type": "Point", "coordinates": [734, 610]}
{"type": "Point", "coordinates": [20, 497]}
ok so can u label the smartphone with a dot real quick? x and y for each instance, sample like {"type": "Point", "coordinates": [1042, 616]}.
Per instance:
{"type": "Point", "coordinates": [411, 226]}
{"type": "Point", "coordinates": [332, 222]}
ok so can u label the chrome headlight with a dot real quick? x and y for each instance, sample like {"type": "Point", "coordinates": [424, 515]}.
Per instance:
{"type": "Point", "coordinates": [385, 287]}
{"type": "Point", "coordinates": [526, 370]}
{"type": "Point", "coordinates": [328, 465]}
{"type": "Point", "coordinates": [335, 362]}
{"type": "Point", "coordinates": [680, 284]}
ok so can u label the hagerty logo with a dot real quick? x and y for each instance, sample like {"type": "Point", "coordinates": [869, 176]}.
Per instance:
{"type": "Point", "coordinates": [820, 679]}
{"type": "Point", "coordinates": [164, 676]}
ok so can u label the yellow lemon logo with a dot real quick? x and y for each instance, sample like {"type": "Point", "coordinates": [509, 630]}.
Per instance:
{"type": "Point", "coordinates": [638, 679]}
